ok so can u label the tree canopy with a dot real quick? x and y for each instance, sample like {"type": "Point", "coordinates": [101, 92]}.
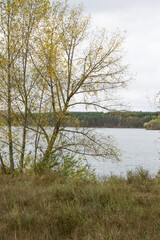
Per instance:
{"type": "Point", "coordinates": [50, 61]}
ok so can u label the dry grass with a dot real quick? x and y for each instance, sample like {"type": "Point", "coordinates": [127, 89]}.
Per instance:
{"type": "Point", "coordinates": [49, 207]}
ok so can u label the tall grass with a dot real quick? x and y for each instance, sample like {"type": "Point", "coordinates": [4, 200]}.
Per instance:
{"type": "Point", "coordinates": [50, 207]}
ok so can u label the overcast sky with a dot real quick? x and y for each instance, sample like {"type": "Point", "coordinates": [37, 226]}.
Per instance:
{"type": "Point", "coordinates": [141, 20]}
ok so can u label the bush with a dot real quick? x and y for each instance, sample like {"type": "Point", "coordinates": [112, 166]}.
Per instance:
{"type": "Point", "coordinates": [140, 175]}
{"type": "Point", "coordinates": [153, 124]}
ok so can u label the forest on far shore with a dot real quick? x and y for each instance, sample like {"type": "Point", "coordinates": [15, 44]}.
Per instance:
{"type": "Point", "coordinates": [112, 119]}
{"type": "Point", "coordinates": [88, 119]}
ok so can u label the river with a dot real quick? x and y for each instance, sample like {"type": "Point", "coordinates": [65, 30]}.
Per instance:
{"type": "Point", "coordinates": [139, 148]}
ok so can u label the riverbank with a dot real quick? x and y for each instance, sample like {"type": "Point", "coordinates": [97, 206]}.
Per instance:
{"type": "Point", "coordinates": [52, 207]}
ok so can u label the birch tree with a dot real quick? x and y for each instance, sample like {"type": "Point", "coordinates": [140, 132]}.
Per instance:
{"type": "Point", "coordinates": [50, 62]}
{"type": "Point", "coordinates": [77, 68]}
{"type": "Point", "coordinates": [18, 20]}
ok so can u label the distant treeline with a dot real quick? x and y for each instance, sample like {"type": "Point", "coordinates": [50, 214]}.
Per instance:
{"type": "Point", "coordinates": [100, 119]}
{"type": "Point", "coordinates": [90, 119]}
{"type": "Point", "coordinates": [113, 119]}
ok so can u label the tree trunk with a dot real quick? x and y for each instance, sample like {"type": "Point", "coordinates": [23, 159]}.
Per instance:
{"type": "Point", "coordinates": [2, 165]}
{"type": "Point", "coordinates": [23, 140]}
{"type": "Point", "coordinates": [51, 143]}
{"type": "Point", "coordinates": [9, 97]}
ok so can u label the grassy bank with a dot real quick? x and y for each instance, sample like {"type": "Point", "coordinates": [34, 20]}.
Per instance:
{"type": "Point", "coordinates": [52, 207]}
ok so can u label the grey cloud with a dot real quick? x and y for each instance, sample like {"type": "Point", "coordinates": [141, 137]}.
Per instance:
{"type": "Point", "coordinates": [110, 5]}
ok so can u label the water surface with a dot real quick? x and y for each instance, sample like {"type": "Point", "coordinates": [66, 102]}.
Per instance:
{"type": "Point", "coordinates": [139, 148]}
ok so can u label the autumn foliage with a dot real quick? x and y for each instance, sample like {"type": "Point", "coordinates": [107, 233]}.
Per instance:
{"type": "Point", "coordinates": [50, 61]}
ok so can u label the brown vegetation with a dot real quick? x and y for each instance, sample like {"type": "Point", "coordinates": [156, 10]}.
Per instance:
{"type": "Point", "coordinates": [51, 207]}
